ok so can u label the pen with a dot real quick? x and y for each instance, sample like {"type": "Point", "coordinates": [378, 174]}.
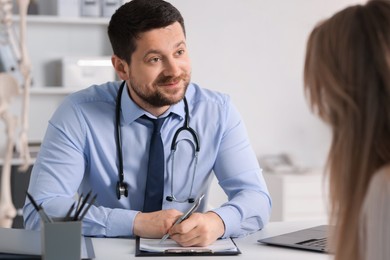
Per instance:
{"type": "Point", "coordinates": [45, 218]}
{"type": "Point", "coordinates": [184, 216]}
{"type": "Point", "coordinates": [87, 208]}
{"type": "Point", "coordinates": [79, 202]}
{"type": "Point", "coordinates": [67, 216]}
{"type": "Point", "coordinates": [82, 206]}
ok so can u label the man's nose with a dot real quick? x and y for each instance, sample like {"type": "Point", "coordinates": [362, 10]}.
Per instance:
{"type": "Point", "coordinates": [172, 68]}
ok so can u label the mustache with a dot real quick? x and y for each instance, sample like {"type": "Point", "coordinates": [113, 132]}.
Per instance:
{"type": "Point", "coordinates": [169, 79]}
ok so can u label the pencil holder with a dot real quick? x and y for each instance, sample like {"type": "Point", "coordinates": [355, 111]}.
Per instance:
{"type": "Point", "coordinates": [61, 240]}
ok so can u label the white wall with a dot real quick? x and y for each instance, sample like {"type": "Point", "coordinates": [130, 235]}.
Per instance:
{"type": "Point", "coordinates": [254, 51]}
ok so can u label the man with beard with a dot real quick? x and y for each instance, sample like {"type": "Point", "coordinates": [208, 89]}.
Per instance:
{"type": "Point", "coordinates": [106, 133]}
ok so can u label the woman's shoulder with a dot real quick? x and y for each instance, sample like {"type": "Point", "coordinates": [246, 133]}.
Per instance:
{"type": "Point", "coordinates": [381, 178]}
{"type": "Point", "coordinates": [378, 190]}
{"type": "Point", "coordinates": [374, 231]}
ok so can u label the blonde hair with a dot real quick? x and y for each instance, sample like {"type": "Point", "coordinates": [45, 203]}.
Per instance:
{"type": "Point", "coordinates": [347, 83]}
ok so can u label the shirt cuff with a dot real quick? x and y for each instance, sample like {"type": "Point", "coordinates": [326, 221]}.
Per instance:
{"type": "Point", "coordinates": [120, 223]}
{"type": "Point", "coordinates": [231, 219]}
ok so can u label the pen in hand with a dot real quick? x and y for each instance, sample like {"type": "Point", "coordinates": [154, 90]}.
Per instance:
{"type": "Point", "coordinates": [45, 218]}
{"type": "Point", "coordinates": [184, 216]}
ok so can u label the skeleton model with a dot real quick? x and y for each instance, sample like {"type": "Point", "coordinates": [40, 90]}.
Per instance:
{"type": "Point", "coordinates": [9, 88]}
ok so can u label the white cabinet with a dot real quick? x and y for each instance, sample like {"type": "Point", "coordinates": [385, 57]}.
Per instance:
{"type": "Point", "coordinates": [297, 196]}
{"type": "Point", "coordinates": [49, 39]}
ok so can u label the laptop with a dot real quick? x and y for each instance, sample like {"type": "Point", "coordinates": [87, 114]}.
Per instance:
{"type": "Point", "coordinates": [313, 239]}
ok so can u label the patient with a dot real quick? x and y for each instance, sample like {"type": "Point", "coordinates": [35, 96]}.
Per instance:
{"type": "Point", "coordinates": [347, 82]}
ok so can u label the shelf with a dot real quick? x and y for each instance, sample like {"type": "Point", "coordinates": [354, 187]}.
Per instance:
{"type": "Point", "coordinates": [19, 161]}
{"type": "Point", "coordinates": [51, 91]}
{"type": "Point", "coordinates": [49, 38]}
{"type": "Point", "coordinates": [52, 19]}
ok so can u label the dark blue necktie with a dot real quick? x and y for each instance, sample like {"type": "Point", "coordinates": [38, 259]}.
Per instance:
{"type": "Point", "coordinates": [154, 190]}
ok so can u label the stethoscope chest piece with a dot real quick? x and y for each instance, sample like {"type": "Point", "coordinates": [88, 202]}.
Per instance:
{"type": "Point", "coordinates": [121, 189]}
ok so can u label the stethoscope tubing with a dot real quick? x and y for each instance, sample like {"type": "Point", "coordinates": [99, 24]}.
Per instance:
{"type": "Point", "coordinates": [121, 188]}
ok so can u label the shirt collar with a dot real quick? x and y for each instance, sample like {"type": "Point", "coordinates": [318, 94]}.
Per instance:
{"type": "Point", "coordinates": [133, 111]}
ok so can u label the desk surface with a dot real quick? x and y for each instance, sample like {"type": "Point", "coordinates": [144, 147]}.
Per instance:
{"type": "Point", "coordinates": [118, 248]}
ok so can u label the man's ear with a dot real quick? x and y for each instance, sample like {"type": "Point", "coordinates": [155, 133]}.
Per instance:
{"type": "Point", "coordinates": [121, 67]}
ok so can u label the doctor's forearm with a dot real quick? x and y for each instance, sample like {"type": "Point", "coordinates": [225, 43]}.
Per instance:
{"type": "Point", "coordinates": [245, 215]}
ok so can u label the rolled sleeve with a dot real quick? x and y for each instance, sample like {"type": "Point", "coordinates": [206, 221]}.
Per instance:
{"type": "Point", "coordinates": [120, 223]}
{"type": "Point", "coordinates": [240, 176]}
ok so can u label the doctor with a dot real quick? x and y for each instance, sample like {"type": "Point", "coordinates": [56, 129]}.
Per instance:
{"type": "Point", "coordinates": [100, 130]}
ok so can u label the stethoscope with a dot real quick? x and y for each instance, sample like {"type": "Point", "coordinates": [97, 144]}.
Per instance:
{"type": "Point", "coordinates": [122, 187]}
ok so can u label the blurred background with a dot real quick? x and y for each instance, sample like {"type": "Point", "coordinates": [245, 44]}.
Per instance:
{"type": "Point", "coordinates": [252, 50]}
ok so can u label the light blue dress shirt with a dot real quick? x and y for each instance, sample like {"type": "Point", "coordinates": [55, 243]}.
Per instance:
{"type": "Point", "coordinates": [78, 154]}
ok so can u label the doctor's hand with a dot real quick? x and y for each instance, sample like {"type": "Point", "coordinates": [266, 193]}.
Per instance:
{"type": "Point", "coordinates": [200, 229]}
{"type": "Point", "coordinates": [155, 224]}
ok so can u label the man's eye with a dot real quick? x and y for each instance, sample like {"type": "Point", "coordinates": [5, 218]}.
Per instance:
{"type": "Point", "coordinates": [154, 60]}
{"type": "Point", "coordinates": [180, 52]}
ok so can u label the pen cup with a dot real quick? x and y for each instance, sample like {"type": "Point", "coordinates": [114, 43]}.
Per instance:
{"type": "Point", "coordinates": [61, 240]}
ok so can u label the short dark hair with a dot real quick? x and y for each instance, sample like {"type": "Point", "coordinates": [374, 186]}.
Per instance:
{"type": "Point", "coordinates": [136, 17]}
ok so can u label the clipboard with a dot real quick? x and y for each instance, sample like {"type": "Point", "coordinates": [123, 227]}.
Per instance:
{"type": "Point", "coordinates": [193, 251]}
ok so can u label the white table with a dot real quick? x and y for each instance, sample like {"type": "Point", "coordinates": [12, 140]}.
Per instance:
{"type": "Point", "coordinates": [118, 248]}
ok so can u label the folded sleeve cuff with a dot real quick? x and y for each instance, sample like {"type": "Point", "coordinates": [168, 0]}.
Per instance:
{"type": "Point", "coordinates": [120, 223]}
{"type": "Point", "coordinates": [231, 220]}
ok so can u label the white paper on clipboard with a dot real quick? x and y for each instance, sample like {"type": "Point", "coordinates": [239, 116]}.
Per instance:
{"type": "Point", "coordinates": [154, 245]}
